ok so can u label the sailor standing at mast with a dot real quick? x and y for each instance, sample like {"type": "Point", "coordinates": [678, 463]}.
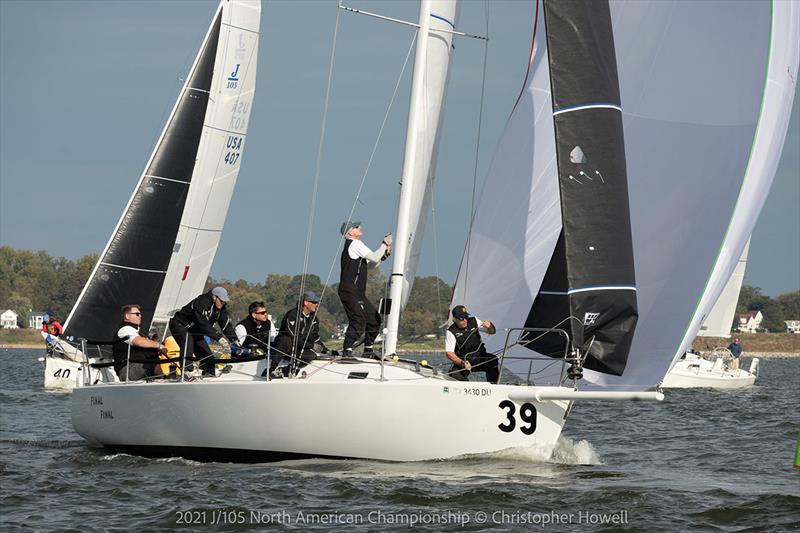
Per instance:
{"type": "Point", "coordinates": [362, 317]}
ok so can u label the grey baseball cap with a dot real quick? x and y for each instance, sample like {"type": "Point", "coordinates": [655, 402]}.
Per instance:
{"type": "Point", "coordinates": [221, 293]}
{"type": "Point", "coordinates": [347, 226]}
{"type": "Point", "coordinates": [311, 296]}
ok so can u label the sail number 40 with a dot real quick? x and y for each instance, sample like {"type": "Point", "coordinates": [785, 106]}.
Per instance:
{"type": "Point", "coordinates": [527, 413]}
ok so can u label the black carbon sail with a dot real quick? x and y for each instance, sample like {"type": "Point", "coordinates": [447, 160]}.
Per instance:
{"type": "Point", "coordinates": [133, 267]}
{"type": "Point", "coordinates": [589, 287]}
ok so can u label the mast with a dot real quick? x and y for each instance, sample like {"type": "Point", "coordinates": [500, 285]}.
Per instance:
{"type": "Point", "coordinates": [431, 68]}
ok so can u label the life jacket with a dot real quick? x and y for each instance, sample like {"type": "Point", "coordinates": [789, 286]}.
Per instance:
{"type": "Point", "coordinates": [120, 350]}
{"type": "Point", "coordinates": [468, 340]}
{"type": "Point", "coordinates": [354, 272]}
{"type": "Point", "coordinates": [257, 334]}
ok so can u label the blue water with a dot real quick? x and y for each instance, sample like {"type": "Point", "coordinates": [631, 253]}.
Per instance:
{"type": "Point", "coordinates": [701, 460]}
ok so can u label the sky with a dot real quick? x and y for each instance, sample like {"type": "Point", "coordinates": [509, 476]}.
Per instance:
{"type": "Point", "coordinates": [85, 88]}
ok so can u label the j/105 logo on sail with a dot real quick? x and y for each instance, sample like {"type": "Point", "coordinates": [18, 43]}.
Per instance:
{"type": "Point", "coordinates": [233, 79]}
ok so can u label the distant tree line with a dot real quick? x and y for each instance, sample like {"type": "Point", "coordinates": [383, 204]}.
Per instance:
{"type": "Point", "coordinates": [775, 310]}
{"type": "Point", "coordinates": [38, 282]}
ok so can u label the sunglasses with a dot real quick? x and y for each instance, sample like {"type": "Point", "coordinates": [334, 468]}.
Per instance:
{"type": "Point", "coordinates": [135, 314]}
{"type": "Point", "coordinates": [259, 312]}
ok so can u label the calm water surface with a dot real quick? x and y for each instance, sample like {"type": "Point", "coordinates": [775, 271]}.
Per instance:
{"type": "Point", "coordinates": [700, 460]}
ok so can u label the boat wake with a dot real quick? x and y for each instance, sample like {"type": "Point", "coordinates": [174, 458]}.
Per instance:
{"type": "Point", "coordinates": [566, 452]}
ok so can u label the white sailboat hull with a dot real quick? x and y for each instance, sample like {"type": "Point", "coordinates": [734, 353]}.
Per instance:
{"type": "Point", "coordinates": [695, 372]}
{"type": "Point", "coordinates": [64, 367]}
{"type": "Point", "coordinates": [327, 414]}
{"type": "Point", "coordinates": [61, 374]}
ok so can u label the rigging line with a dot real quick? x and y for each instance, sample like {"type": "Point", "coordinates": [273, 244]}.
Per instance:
{"type": "Point", "coordinates": [369, 162]}
{"type": "Point", "coordinates": [477, 152]}
{"type": "Point", "coordinates": [315, 189]}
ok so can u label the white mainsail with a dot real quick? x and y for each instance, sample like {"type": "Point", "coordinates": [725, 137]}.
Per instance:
{"type": "Point", "coordinates": [218, 157]}
{"type": "Point", "coordinates": [719, 321]}
{"type": "Point", "coordinates": [431, 67]}
{"type": "Point", "coordinates": [705, 111]}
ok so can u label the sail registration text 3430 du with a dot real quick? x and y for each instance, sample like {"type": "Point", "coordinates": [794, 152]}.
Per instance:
{"type": "Point", "coordinates": [632, 115]}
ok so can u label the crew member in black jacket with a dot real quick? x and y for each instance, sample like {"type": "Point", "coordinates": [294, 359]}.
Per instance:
{"type": "Point", "coordinates": [253, 333]}
{"type": "Point", "coordinates": [362, 317]}
{"type": "Point", "coordinates": [299, 333]}
{"type": "Point", "coordinates": [196, 320]}
{"type": "Point", "coordinates": [129, 346]}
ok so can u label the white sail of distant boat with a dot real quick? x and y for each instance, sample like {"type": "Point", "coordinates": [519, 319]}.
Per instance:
{"type": "Point", "coordinates": [685, 89]}
{"type": "Point", "coordinates": [719, 321]}
{"type": "Point", "coordinates": [161, 250]}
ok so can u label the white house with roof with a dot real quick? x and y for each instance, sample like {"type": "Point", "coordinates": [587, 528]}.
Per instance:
{"type": "Point", "coordinates": [8, 319]}
{"type": "Point", "coordinates": [750, 321]}
{"type": "Point", "coordinates": [792, 326]}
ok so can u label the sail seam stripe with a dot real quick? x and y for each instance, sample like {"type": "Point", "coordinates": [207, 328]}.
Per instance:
{"type": "Point", "coordinates": [587, 106]}
{"type": "Point", "coordinates": [197, 228]}
{"type": "Point", "coordinates": [198, 90]}
{"type": "Point", "coordinates": [225, 131]}
{"type": "Point", "coordinates": [133, 268]}
{"type": "Point", "coordinates": [587, 289]}
{"type": "Point", "coordinates": [240, 28]}
{"type": "Point", "coordinates": [151, 176]}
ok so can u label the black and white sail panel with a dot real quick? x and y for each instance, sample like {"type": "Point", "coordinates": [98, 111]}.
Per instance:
{"type": "Point", "coordinates": [219, 157]}
{"type": "Point", "coordinates": [589, 288]}
{"type": "Point", "coordinates": [706, 107]}
{"type": "Point", "coordinates": [134, 264]}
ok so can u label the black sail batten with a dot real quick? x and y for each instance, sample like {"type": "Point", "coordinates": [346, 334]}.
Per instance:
{"type": "Point", "coordinates": [589, 287]}
{"type": "Point", "coordinates": [133, 268]}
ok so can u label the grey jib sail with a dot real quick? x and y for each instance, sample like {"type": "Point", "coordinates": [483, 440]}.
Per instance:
{"type": "Point", "coordinates": [133, 267]}
{"type": "Point", "coordinates": [589, 287]}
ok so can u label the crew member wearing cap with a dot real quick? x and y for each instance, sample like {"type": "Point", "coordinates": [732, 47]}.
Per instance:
{"type": "Point", "coordinates": [464, 347]}
{"type": "Point", "coordinates": [253, 333]}
{"type": "Point", "coordinates": [299, 333]}
{"type": "Point", "coordinates": [362, 317]}
{"type": "Point", "coordinates": [196, 320]}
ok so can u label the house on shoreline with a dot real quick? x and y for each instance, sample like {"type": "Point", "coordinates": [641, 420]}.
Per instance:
{"type": "Point", "coordinates": [8, 319]}
{"type": "Point", "coordinates": [750, 321]}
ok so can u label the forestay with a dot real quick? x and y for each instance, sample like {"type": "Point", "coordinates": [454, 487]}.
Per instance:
{"type": "Point", "coordinates": [705, 111]}
{"type": "Point", "coordinates": [197, 157]}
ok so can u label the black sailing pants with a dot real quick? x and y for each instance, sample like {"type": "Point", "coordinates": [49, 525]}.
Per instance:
{"type": "Point", "coordinates": [362, 319]}
{"type": "Point", "coordinates": [196, 347]}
